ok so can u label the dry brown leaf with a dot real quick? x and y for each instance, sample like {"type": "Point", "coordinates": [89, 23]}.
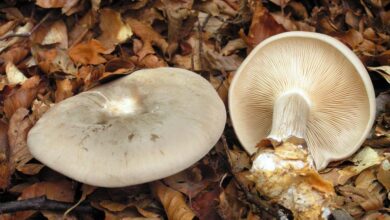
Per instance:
{"type": "Point", "coordinates": [31, 168]}
{"type": "Point", "coordinates": [39, 108]}
{"type": "Point", "coordinates": [367, 200]}
{"type": "Point", "coordinates": [215, 61]}
{"type": "Point", "coordinates": [205, 205]}
{"type": "Point", "coordinates": [4, 156]}
{"type": "Point", "coordinates": [14, 54]}
{"type": "Point", "coordinates": [365, 179]}
{"type": "Point", "coordinates": [290, 24]}
{"type": "Point", "coordinates": [4, 44]}
{"type": "Point", "coordinates": [233, 46]}
{"type": "Point", "coordinates": [64, 89]}
{"type": "Point", "coordinates": [22, 97]}
{"type": "Point", "coordinates": [222, 87]}
{"type": "Point", "coordinates": [64, 4]}
{"type": "Point", "coordinates": [117, 67]}
{"type": "Point", "coordinates": [152, 61]}
{"type": "Point", "coordinates": [177, 12]}
{"type": "Point", "coordinates": [8, 26]}
{"type": "Point", "coordinates": [190, 182]}
{"type": "Point", "coordinates": [384, 71]}
{"type": "Point", "coordinates": [384, 174]}
{"type": "Point", "coordinates": [54, 60]}
{"type": "Point", "coordinates": [57, 34]}
{"type": "Point", "coordinates": [173, 202]}
{"type": "Point", "coordinates": [230, 207]}
{"type": "Point", "coordinates": [365, 158]}
{"type": "Point", "coordinates": [262, 26]}
{"type": "Point", "coordinates": [19, 126]}
{"type": "Point", "coordinates": [81, 28]}
{"type": "Point", "coordinates": [60, 191]}
{"type": "Point", "coordinates": [148, 36]}
{"type": "Point", "coordinates": [88, 53]}
{"type": "Point", "coordinates": [114, 30]}
{"type": "Point", "coordinates": [112, 206]}
{"type": "Point", "coordinates": [14, 75]}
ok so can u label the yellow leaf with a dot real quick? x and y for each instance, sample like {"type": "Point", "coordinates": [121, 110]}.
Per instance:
{"type": "Point", "coordinates": [173, 202]}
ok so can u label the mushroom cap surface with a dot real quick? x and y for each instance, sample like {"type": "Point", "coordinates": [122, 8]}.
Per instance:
{"type": "Point", "coordinates": [329, 74]}
{"type": "Point", "coordinates": [146, 126]}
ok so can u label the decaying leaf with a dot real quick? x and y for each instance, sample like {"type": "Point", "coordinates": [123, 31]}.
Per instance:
{"type": "Point", "coordinates": [5, 169]}
{"type": "Point", "coordinates": [21, 97]}
{"type": "Point", "coordinates": [57, 34]}
{"type": "Point", "coordinates": [384, 174]}
{"type": "Point", "coordinates": [19, 126]}
{"type": "Point", "coordinates": [384, 71]}
{"type": "Point", "coordinates": [64, 89]}
{"type": "Point", "coordinates": [30, 168]}
{"type": "Point", "coordinates": [263, 25]}
{"type": "Point", "coordinates": [173, 202]}
{"type": "Point", "coordinates": [14, 75]}
{"type": "Point", "coordinates": [364, 159]}
{"type": "Point", "coordinates": [148, 36]}
{"type": "Point", "coordinates": [59, 190]}
{"type": "Point", "coordinates": [88, 53]}
{"type": "Point", "coordinates": [114, 30]}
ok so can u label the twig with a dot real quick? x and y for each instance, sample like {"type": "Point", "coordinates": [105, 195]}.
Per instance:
{"type": "Point", "coordinates": [28, 34]}
{"type": "Point", "coordinates": [42, 203]}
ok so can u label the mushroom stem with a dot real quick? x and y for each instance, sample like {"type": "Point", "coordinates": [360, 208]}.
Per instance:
{"type": "Point", "coordinates": [290, 115]}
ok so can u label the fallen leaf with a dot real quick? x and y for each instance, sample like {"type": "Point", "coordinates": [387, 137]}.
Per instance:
{"type": "Point", "coordinates": [14, 75]}
{"type": "Point", "coordinates": [60, 191]}
{"type": "Point", "coordinates": [190, 182]}
{"type": "Point", "coordinates": [19, 126]}
{"type": "Point", "coordinates": [5, 169]}
{"type": "Point", "coordinates": [384, 174]}
{"type": "Point", "coordinates": [14, 54]}
{"type": "Point", "coordinates": [57, 34]}
{"type": "Point", "coordinates": [81, 28]}
{"type": "Point", "coordinates": [114, 30]}
{"type": "Point", "coordinates": [205, 205]}
{"type": "Point", "coordinates": [173, 202]}
{"type": "Point", "coordinates": [88, 53]}
{"type": "Point", "coordinates": [233, 46]}
{"type": "Point", "coordinates": [8, 26]}
{"type": "Point", "coordinates": [364, 159]}
{"type": "Point", "coordinates": [384, 71]}
{"type": "Point", "coordinates": [22, 97]}
{"type": "Point", "coordinates": [148, 36]}
{"type": "Point", "coordinates": [14, 40]}
{"type": "Point", "coordinates": [54, 60]}
{"type": "Point", "coordinates": [31, 168]}
{"type": "Point", "coordinates": [262, 26]}
{"type": "Point", "coordinates": [64, 89]}
{"type": "Point", "coordinates": [64, 4]}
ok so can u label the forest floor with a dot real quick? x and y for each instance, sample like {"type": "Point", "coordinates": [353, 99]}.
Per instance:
{"type": "Point", "coordinates": [52, 50]}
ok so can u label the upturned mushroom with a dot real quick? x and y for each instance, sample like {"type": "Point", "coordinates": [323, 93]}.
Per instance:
{"type": "Point", "coordinates": [295, 86]}
{"type": "Point", "coordinates": [307, 85]}
{"type": "Point", "coordinates": [142, 127]}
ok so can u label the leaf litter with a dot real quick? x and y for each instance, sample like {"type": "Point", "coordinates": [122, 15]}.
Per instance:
{"type": "Point", "coordinates": [52, 50]}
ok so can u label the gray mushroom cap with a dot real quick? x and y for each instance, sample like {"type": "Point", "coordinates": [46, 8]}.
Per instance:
{"type": "Point", "coordinates": [142, 127]}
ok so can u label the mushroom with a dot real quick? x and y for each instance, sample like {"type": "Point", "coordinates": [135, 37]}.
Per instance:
{"type": "Point", "coordinates": [148, 125]}
{"type": "Point", "coordinates": [306, 85]}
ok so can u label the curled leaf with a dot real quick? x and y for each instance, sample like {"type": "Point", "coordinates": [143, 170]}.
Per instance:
{"type": "Point", "coordinates": [173, 202]}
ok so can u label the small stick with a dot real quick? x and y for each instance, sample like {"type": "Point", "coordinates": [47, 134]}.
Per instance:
{"type": "Point", "coordinates": [42, 203]}
{"type": "Point", "coordinates": [27, 34]}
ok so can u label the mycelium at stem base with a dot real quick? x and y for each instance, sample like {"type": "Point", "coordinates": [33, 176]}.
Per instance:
{"type": "Point", "coordinates": [283, 169]}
